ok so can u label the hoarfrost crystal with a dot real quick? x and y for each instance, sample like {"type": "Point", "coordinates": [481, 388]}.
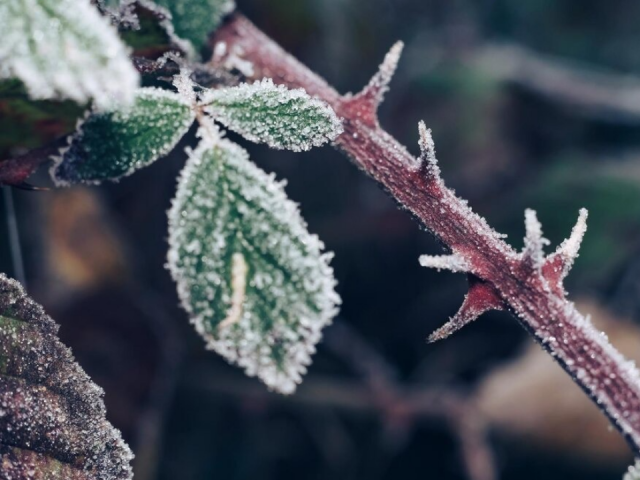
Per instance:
{"type": "Point", "coordinates": [255, 282]}
{"type": "Point", "coordinates": [273, 114]}
{"type": "Point", "coordinates": [65, 49]}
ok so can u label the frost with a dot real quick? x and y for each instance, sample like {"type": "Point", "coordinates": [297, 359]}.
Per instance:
{"type": "Point", "coordinates": [53, 416]}
{"type": "Point", "coordinates": [64, 49]}
{"type": "Point", "coordinates": [534, 242]}
{"type": "Point", "coordinates": [255, 282]}
{"type": "Point", "coordinates": [191, 21]}
{"type": "Point", "coordinates": [569, 249]}
{"type": "Point", "coordinates": [633, 473]}
{"type": "Point", "coordinates": [372, 95]}
{"type": "Point", "coordinates": [454, 263]}
{"type": "Point", "coordinates": [112, 144]}
{"type": "Point", "coordinates": [273, 114]}
{"type": "Point", "coordinates": [428, 151]}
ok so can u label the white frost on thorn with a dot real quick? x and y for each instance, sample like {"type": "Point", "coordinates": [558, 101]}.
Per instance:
{"type": "Point", "coordinates": [428, 151]}
{"type": "Point", "coordinates": [379, 83]}
{"type": "Point", "coordinates": [569, 249]}
{"type": "Point", "coordinates": [454, 263]}
{"type": "Point", "coordinates": [534, 242]}
{"type": "Point", "coordinates": [65, 49]}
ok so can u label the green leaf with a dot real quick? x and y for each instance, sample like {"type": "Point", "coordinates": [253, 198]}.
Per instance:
{"type": "Point", "coordinates": [52, 422]}
{"type": "Point", "coordinates": [255, 281]}
{"type": "Point", "coordinates": [64, 49]}
{"type": "Point", "coordinates": [115, 143]}
{"type": "Point", "coordinates": [273, 114]}
{"type": "Point", "coordinates": [194, 20]}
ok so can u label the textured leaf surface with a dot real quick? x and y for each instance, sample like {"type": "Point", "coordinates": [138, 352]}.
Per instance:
{"type": "Point", "coordinates": [52, 416]}
{"type": "Point", "coordinates": [254, 280]}
{"type": "Point", "coordinates": [115, 143]}
{"type": "Point", "coordinates": [194, 20]}
{"type": "Point", "coordinates": [64, 49]}
{"type": "Point", "coordinates": [273, 114]}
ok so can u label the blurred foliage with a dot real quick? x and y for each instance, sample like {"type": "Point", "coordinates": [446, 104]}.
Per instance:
{"type": "Point", "coordinates": [25, 123]}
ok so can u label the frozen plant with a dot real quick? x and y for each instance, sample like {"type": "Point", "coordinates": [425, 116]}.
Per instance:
{"type": "Point", "coordinates": [257, 285]}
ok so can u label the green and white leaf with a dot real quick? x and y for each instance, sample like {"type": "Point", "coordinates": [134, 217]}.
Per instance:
{"type": "Point", "coordinates": [64, 49]}
{"type": "Point", "coordinates": [108, 145]}
{"type": "Point", "coordinates": [272, 114]}
{"type": "Point", "coordinates": [191, 21]}
{"type": "Point", "coordinates": [254, 280]}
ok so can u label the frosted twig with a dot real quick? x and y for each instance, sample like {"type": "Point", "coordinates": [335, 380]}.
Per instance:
{"type": "Point", "coordinates": [545, 312]}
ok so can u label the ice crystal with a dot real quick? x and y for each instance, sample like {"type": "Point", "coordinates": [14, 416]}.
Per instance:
{"type": "Point", "coordinates": [633, 473]}
{"type": "Point", "coordinates": [64, 49]}
{"type": "Point", "coordinates": [254, 280]}
{"type": "Point", "coordinates": [52, 421]}
{"type": "Point", "coordinates": [114, 143]}
{"type": "Point", "coordinates": [191, 21]}
{"type": "Point", "coordinates": [273, 114]}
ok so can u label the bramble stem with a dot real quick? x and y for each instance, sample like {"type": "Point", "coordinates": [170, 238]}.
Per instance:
{"type": "Point", "coordinates": [527, 291]}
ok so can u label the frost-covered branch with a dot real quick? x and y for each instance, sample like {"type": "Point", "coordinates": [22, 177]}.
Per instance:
{"type": "Point", "coordinates": [527, 284]}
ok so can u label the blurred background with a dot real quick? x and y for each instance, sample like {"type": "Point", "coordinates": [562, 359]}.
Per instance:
{"type": "Point", "coordinates": [533, 103]}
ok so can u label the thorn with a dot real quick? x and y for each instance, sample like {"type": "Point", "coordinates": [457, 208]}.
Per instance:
{"type": "Point", "coordinates": [454, 263]}
{"type": "Point", "coordinates": [428, 151]}
{"type": "Point", "coordinates": [481, 298]}
{"type": "Point", "coordinates": [534, 242]}
{"type": "Point", "coordinates": [366, 102]}
{"type": "Point", "coordinates": [559, 264]}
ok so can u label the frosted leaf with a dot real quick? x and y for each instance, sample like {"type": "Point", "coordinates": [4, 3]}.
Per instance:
{"type": "Point", "coordinates": [193, 20]}
{"type": "Point", "coordinates": [633, 473]}
{"type": "Point", "coordinates": [52, 416]}
{"type": "Point", "coordinates": [64, 49]}
{"type": "Point", "coordinates": [254, 280]}
{"type": "Point", "coordinates": [273, 114]}
{"type": "Point", "coordinates": [112, 144]}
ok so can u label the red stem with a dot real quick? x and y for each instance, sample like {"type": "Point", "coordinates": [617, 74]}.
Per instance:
{"type": "Point", "coordinates": [543, 310]}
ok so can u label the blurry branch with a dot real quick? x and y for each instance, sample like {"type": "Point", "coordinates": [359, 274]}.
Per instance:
{"type": "Point", "coordinates": [151, 426]}
{"type": "Point", "coordinates": [15, 171]}
{"type": "Point", "coordinates": [457, 411]}
{"type": "Point", "coordinates": [409, 405]}
{"type": "Point", "coordinates": [527, 284]}
{"type": "Point", "coordinates": [598, 94]}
